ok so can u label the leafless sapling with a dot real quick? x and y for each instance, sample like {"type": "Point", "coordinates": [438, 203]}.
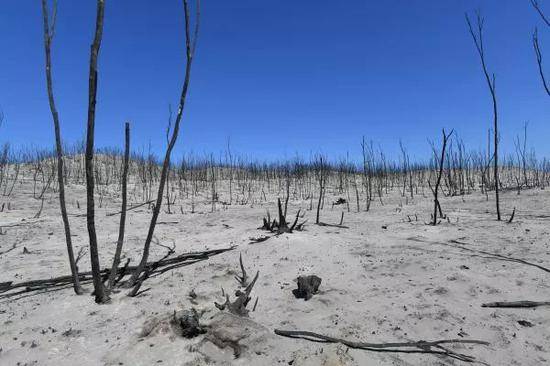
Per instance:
{"type": "Point", "coordinates": [190, 45]}
{"type": "Point", "coordinates": [320, 171]}
{"type": "Point", "coordinates": [435, 190]}
{"type": "Point", "coordinates": [478, 42]}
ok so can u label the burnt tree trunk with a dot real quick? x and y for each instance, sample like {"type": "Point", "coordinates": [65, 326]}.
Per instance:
{"type": "Point", "coordinates": [478, 41]}
{"type": "Point", "coordinates": [99, 290]}
{"type": "Point", "coordinates": [437, 206]}
{"type": "Point", "coordinates": [190, 43]}
{"type": "Point", "coordinates": [49, 31]}
{"type": "Point", "coordinates": [120, 241]}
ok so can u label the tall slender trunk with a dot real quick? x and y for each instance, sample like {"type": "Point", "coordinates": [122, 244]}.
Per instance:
{"type": "Point", "coordinates": [99, 290]}
{"type": "Point", "coordinates": [321, 192]}
{"type": "Point", "coordinates": [437, 206]}
{"type": "Point", "coordinates": [48, 36]}
{"type": "Point", "coordinates": [190, 51]}
{"type": "Point", "coordinates": [478, 41]}
{"type": "Point", "coordinates": [122, 225]}
{"type": "Point", "coordinates": [495, 122]}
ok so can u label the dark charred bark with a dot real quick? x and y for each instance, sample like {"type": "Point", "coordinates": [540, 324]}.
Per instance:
{"type": "Point", "coordinates": [190, 42]}
{"type": "Point", "coordinates": [478, 41]}
{"type": "Point", "coordinates": [99, 290]}
{"type": "Point", "coordinates": [122, 225]}
{"type": "Point", "coordinates": [438, 181]}
{"type": "Point", "coordinates": [49, 31]}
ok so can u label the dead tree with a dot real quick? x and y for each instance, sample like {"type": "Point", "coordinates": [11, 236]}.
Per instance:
{"type": "Point", "coordinates": [49, 32]}
{"type": "Point", "coordinates": [367, 152]}
{"type": "Point", "coordinates": [435, 190]}
{"type": "Point", "coordinates": [536, 45]}
{"type": "Point", "coordinates": [320, 171]}
{"type": "Point", "coordinates": [536, 5]}
{"type": "Point", "coordinates": [521, 152]}
{"type": "Point", "coordinates": [168, 175]}
{"type": "Point", "coordinates": [190, 44]}
{"type": "Point", "coordinates": [120, 241]}
{"type": "Point", "coordinates": [281, 226]}
{"type": "Point", "coordinates": [538, 54]}
{"type": "Point", "coordinates": [229, 159]}
{"type": "Point", "coordinates": [99, 290]}
{"type": "Point", "coordinates": [478, 41]}
{"type": "Point", "coordinates": [242, 298]}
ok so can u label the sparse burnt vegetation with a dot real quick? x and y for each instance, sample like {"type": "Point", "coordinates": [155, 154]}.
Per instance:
{"type": "Point", "coordinates": [402, 232]}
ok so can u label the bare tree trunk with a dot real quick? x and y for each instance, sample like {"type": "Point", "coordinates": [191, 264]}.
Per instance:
{"type": "Point", "coordinates": [478, 41]}
{"type": "Point", "coordinates": [538, 54]}
{"type": "Point", "coordinates": [190, 52]}
{"type": "Point", "coordinates": [287, 190]}
{"type": "Point", "coordinates": [322, 179]}
{"type": "Point", "coordinates": [99, 290]}
{"type": "Point", "coordinates": [120, 241]}
{"type": "Point", "coordinates": [49, 32]}
{"type": "Point", "coordinates": [440, 173]}
{"type": "Point", "coordinates": [536, 45]}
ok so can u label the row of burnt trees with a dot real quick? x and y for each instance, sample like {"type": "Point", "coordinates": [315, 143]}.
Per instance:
{"type": "Point", "coordinates": [194, 178]}
{"type": "Point", "coordinates": [217, 184]}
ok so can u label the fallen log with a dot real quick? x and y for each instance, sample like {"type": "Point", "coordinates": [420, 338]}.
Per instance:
{"type": "Point", "coordinates": [498, 256]}
{"type": "Point", "coordinates": [480, 253]}
{"type": "Point", "coordinates": [515, 304]}
{"type": "Point", "coordinates": [333, 225]}
{"type": "Point", "coordinates": [154, 268]}
{"type": "Point", "coordinates": [131, 208]}
{"type": "Point", "coordinates": [259, 239]}
{"type": "Point", "coordinates": [10, 249]}
{"type": "Point", "coordinates": [434, 347]}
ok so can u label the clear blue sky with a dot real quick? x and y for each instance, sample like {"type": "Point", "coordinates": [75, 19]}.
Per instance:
{"type": "Point", "coordinates": [278, 77]}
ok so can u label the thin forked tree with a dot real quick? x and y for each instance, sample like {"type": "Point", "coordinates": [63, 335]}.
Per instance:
{"type": "Point", "coordinates": [437, 205]}
{"type": "Point", "coordinates": [190, 46]}
{"type": "Point", "coordinates": [101, 295]}
{"type": "Point", "coordinates": [478, 41]}
{"type": "Point", "coordinates": [49, 32]}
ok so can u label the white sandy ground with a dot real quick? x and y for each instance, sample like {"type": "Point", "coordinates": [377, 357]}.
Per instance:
{"type": "Point", "coordinates": [403, 283]}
